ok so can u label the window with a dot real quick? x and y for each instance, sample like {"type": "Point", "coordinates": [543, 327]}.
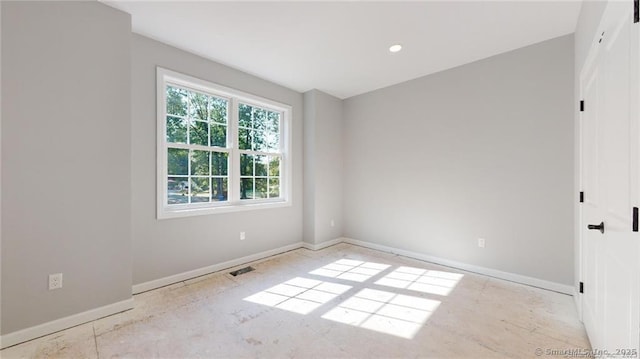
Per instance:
{"type": "Point", "coordinates": [219, 150]}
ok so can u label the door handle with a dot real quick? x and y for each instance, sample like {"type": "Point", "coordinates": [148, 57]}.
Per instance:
{"type": "Point", "coordinates": [597, 227]}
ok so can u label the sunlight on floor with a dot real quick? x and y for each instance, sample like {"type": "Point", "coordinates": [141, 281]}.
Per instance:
{"type": "Point", "coordinates": [378, 310]}
{"type": "Point", "coordinates": [299, 295]}
{"type": "Point", "coordinates": [384, 312]}
{"type": "Point", "coordinates": [421, 280]}
{"type": "Point", "coordinates": [349, 269]}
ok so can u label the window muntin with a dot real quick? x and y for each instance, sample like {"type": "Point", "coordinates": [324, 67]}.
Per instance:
{"type": "Point", "coordinates": [259, 144]}
{"type": "Point", "coordinates": [219, 149]}
{"type": "Point", "coordinates": [196, 144]}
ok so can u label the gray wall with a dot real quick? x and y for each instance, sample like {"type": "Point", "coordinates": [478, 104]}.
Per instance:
{"type": "Point", "coordinates": [323, 166]}
{"type": "Point", "coordinates": [309, 168]}
{"type": "Point", "coordinates": [482, 150]}
{"type": "Point", "coordinates": [430, 165]}
{"type": "Point", "coordinates": [66, 165]}
{"type": "Point", "coordinates": [166, 247]}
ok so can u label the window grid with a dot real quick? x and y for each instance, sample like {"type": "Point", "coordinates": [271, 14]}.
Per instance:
{"type": "Point", "coordinates": [214, 173]}
{"type": "Point", "coordinates": [270, 178]}
{"type": "Point", "coordinates": [268, 129]}
{"type": "Point", "coordinates": [196, 104]}
{"type": "Point", "coordinates": [191, 120]}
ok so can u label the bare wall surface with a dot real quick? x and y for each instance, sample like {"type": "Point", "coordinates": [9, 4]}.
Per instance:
{"type": "Point", "coordinates": [171, 246]}
{"type": "Point", "coordinates": [329, 154]}
{"type": "Point", "coordinates": [309, 169]}
{"type": "Point", "coordinates": [66, 170]}
{"type": "Point", "coordinates": [323, 166]}
{"type": "Point", "coordinates": [484, 150]}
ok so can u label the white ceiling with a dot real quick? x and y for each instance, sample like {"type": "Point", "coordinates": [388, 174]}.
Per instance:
{"type": "Point", "coordinates": [342, 47]}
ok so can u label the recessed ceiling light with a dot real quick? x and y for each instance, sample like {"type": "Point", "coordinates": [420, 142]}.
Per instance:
{"type": "Point", "coordinates": [395, 48]}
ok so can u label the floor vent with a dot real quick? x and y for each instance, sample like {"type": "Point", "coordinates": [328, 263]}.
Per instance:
{"type": "Point", "coordinates": [242, 271]}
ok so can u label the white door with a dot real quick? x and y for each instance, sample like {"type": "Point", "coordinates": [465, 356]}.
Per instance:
{"type": "Point", "coordinates": [609, 178]}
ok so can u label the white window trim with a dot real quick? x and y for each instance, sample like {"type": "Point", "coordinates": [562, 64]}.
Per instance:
{"type": "Point", "coordinates": [233, 204]}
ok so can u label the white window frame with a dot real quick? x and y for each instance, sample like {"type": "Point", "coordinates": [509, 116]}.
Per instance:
{"type": "Point", "coordinates": [166, 77]}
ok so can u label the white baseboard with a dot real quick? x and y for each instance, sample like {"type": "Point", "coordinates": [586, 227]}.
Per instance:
{"type": "Point", "coordinates": [27, 334]}
{"type": "Point", "coordinates": [53, 326]}
{"type": "Point", "coordinates": [534, 282]}
{"type": "Point", "coordinates": [322, 245]}
{"type": "Point", "coordinates": [157, 283]}
{"type": "Point", "coordinates": [84, 317]}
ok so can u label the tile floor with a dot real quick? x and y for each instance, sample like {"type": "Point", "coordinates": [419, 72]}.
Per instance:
{"type": "Point", "coordinates": [342, 301]}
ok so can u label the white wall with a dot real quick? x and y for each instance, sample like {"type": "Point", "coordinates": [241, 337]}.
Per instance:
{"type": "Point", "coordinates": [482, 150]}
{"type": "Point", "coordinates": [66, 165]}
{"type": "Point", "coordinates": [167, 247]}
{"type": "Point", "coordinates": [323, 167]}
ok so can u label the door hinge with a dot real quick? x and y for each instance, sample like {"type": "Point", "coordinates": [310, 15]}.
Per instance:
{"type": "Point", "coordinates": [581, 105]}
{"type": "Point", "coordinates": [635, 219]}
{"type": "Point", "coordinates": [581, 197]}
{"type": "Point", "coordinates": [636, 12]}
{"type": "Point", "coordinates": [581, 287]}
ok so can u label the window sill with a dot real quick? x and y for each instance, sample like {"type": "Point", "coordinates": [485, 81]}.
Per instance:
{"type": "Point", "coordinates": [168, 213]}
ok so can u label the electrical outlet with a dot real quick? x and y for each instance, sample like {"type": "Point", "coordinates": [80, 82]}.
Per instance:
{"type": "Point", "coordinates": [333, 224]}
{"type": "Point", "coordinates": [55, 281]}
{"type": "Point", "coordinates": [242, 236]}
{"type": "Point", "coordinates": [481, 242]}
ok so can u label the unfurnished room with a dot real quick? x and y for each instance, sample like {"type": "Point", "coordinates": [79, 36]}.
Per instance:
{"type": "Point", "coordinates": [320, 179]}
